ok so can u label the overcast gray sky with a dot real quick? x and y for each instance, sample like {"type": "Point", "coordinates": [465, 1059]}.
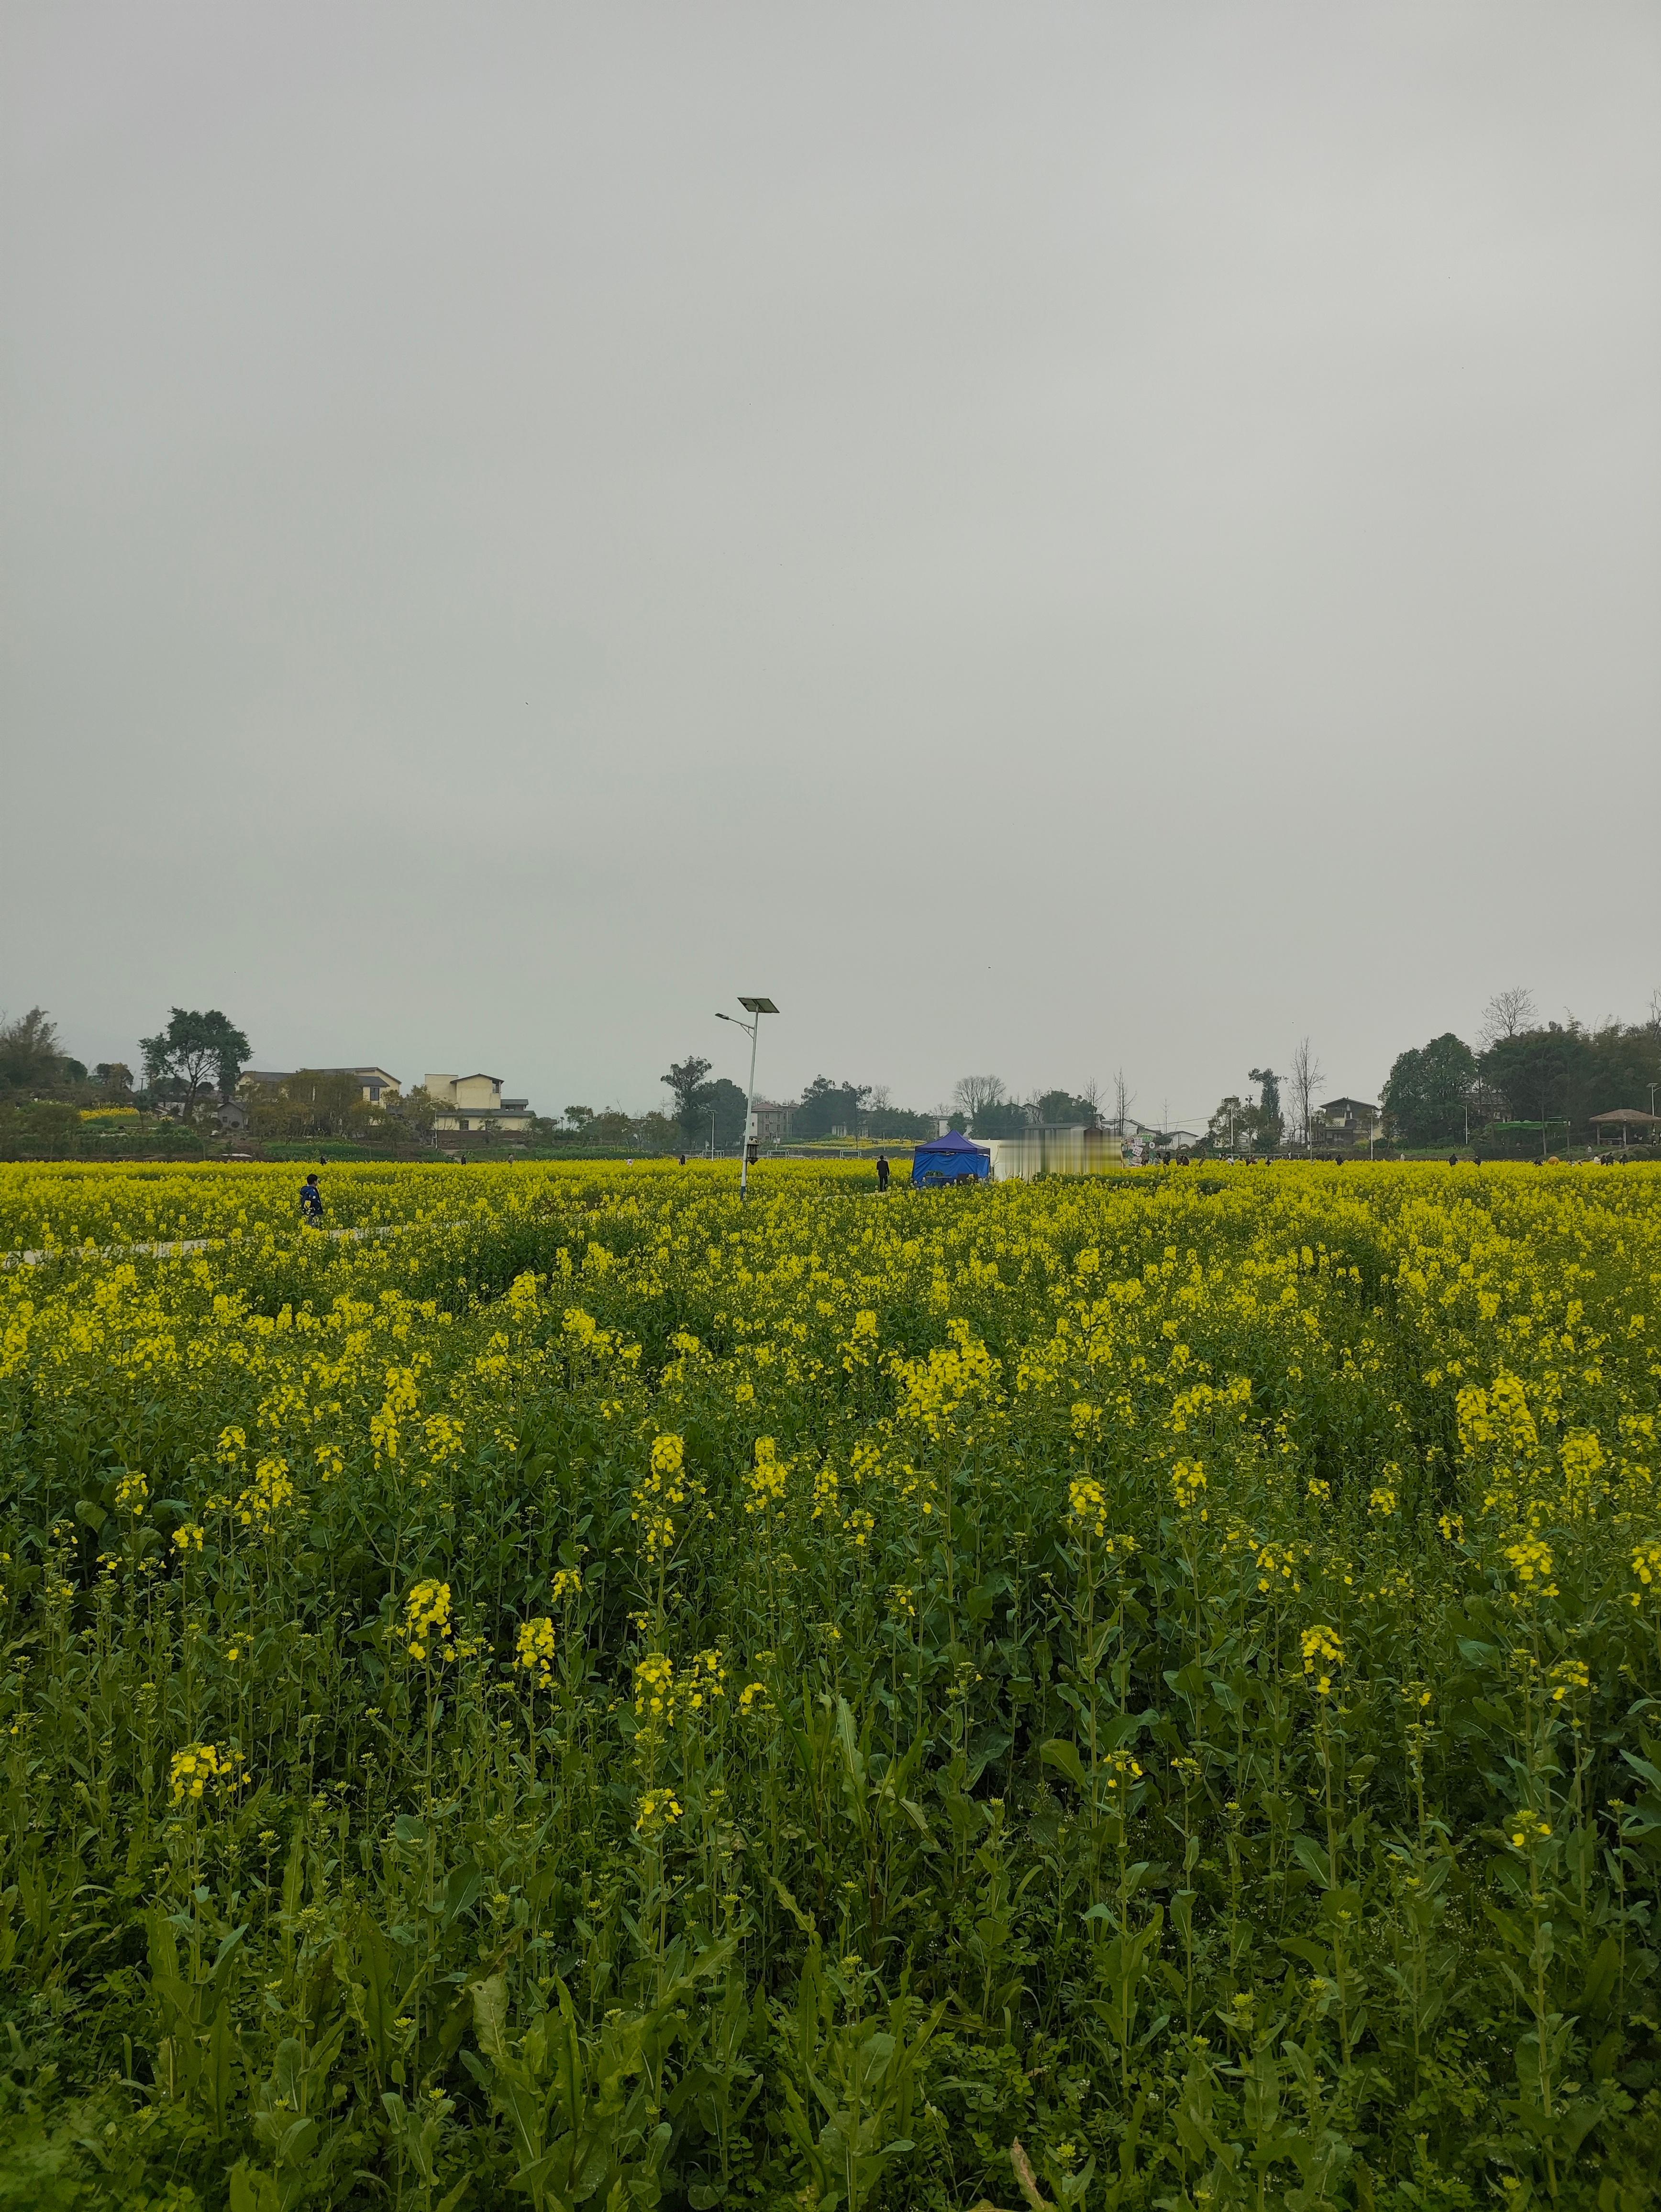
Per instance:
{"type": "Point", "coordinates": [1047, 538]}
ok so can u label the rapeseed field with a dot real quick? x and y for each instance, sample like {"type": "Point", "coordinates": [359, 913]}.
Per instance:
{"type": "Point", "coordinates": [584, 1693]}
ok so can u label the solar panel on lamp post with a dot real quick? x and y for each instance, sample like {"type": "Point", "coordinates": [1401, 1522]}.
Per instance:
{"type": "Point", "coordinates": [756, 1007]}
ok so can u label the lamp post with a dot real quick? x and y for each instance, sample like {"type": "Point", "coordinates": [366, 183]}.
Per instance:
{"type": "Point", "coordinates": [754, 1008]}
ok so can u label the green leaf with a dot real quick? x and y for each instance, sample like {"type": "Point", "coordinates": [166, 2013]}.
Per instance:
{"type": "Point", "coordinates": [1310, 1856]}
{"type": "Point", "coordinates": [1311, 1954]}
{"type": "Point", "coordinates": [1064, 1758]}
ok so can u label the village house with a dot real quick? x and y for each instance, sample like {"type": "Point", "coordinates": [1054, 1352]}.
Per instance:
{"type": "Point", "coordinates": [473, 1105]}
{"type": "Point", "coordinates": [1345, 1121]}
{"type": "Point", "coordinates": [772, 1124]}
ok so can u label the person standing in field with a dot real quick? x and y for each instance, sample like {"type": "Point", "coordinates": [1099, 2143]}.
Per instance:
{"type": "Point", "coordinates": [311, 1201]}
{"type": "Point", "coordinates": [882, 1172]}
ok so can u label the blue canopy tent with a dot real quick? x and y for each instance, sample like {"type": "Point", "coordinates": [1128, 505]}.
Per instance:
{"type": "Point", "coordinates": [951, 1159]}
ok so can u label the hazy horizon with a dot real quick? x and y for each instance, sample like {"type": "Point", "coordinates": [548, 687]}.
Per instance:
{"type": "Point", "coordinates": [1049, 542]}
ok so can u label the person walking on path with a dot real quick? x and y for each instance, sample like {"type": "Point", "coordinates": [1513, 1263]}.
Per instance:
{"type": "Point", "coordinates": [311, 1201]}
{"type": "Point", "coordinates": [882, 1172]}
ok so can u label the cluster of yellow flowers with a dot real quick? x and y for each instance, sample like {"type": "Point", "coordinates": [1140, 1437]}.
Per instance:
{"type": "Point", "coordinates": [1188, 1481]}
{"type": "Point", "coordinates": [201, 1767]}
{"type": "Point", "coordinates": [767, 1478]}
{"type": "Point", "coordinates": [1323, 1651]}
{"type": "Point", "coordinates": [1530, 1561]}
{"type": "Point", "coordinates": [654, 1687]}
{"type": "Point", "coordinates": [533, 1651]}
{"type": "Point", "coordinates": [427, 1623]}
{"type": "Point", "coordinates": [262, 1503]}
{"type": "Point", "coordinates": [1086, 1501]}
{"type": "Point", "coordinates": [664, 1491]}
{"type": "Point", "coordinates": [1093, 1490]}
{"type": "Point", "coordinates": [832, 1371]}
{"type": "Point", "coordinates": [658, 1809]}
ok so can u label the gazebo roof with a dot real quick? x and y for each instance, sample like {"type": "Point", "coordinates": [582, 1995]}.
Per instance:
{"type": "Point", "coordinates": [1627, 1114]}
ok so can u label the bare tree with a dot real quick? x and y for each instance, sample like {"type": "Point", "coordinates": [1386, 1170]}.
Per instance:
{"type": "Point", "coordinates": [1123, 1100]}
{"type": "Point", "coordinates": [1507, 1013]}
{"type": "Point", "coordinates": [1305, 1081]}
{"type": "Point", "coordinates": [972, 1092]}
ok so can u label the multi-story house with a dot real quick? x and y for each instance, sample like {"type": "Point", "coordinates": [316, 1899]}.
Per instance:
{"type": "Point", "coordinates": [1346, 1121]}
{"type": "Point", "coordinates": [473, 1105]}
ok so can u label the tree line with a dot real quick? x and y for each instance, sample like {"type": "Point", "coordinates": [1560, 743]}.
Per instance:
{"type": "Point", "coordinates": [1526, 1087]}
{"type": "Point", "coordinates": [1527, 1084]}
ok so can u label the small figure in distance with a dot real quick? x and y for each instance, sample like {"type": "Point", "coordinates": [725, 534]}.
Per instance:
{"type": "Point", "coordinates": [311, 1201]}
{"type": "Point", "coordinates": [1453, 1159]}
{"type": "Point", "coordinates": [882, 1172]}
{"type": "Point", "coordinates": [683, 1159]}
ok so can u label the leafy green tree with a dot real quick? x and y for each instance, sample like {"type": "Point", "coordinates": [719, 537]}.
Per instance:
{"type": "Point", "coordinates": [1428, 1092]}
{"type": "Point", "coordinates": [313, 1102]}
{"type": "Point", "coordinates": [1000, 1117]}
{"type": "Point", "coordinates": [1234, 1122]}
{"type": "Point", "coordinates": [1063, 1110]}
{"type": "Point", "coordinates": [825, 1106]}
{"type": "Point", "coordinates": [31, 1058]}
{"type": "Point", "coordinates": [192, 1047]}
{"type": "Point", "coordinates": [116, 1077]}
{"type": "Point", "coordinates": [415, 1113]}
{"type": "Point", "coordinates": [889, 1123]}
{"type": "Point", "coordinates": [726, 1104]}
{"type": "Point", "coordinates": [635, 1132]}
{"type": "Point", "coordinates": [684, 1081]}
{"type": "Point", "coordinates": [656, 1133]}
{"type": "Point", "coordinates": [1269, 1124]}
{"type": "Point", "coordinates": [1566, 1072]}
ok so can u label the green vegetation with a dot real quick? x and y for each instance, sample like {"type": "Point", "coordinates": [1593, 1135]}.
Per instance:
{"type": "Point", "coordinates": [594, 1695]}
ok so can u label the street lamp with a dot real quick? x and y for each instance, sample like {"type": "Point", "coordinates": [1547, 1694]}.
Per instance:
{"type": "Point", "coordinates": [756, 1008]}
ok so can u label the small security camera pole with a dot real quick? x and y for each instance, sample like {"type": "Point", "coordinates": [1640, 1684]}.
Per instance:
{"type": "Point", "coordinates": [754, 1008]}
